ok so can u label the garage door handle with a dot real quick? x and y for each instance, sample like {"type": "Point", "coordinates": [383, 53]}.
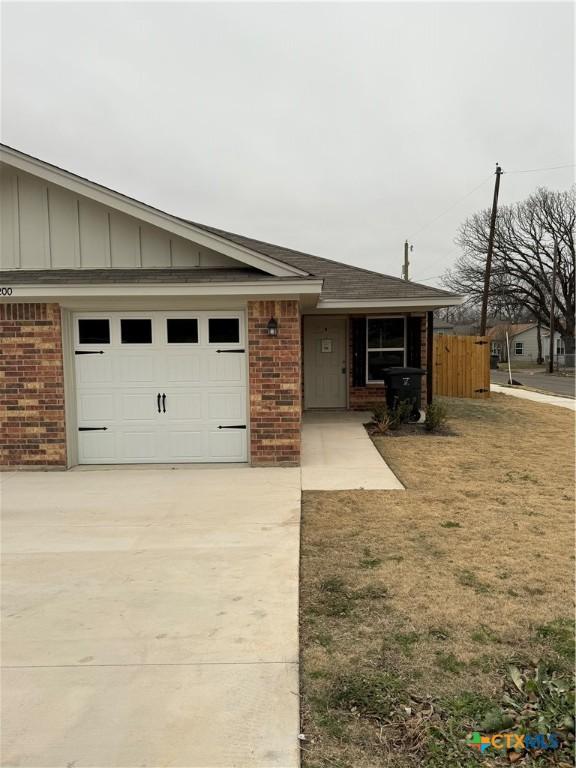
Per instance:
{"type": "Point", "coordinates": [233, 426]}
{"type": "Point", "coordinates": [158, 402]}
{"type": "Point", "coordinates": [88, 352]}
{"type": "Point", "coordinates": [92, 429]}
{"type": "Point", "coordinates": [164, 403]}
{"type": "Point", "coordinates": [231, 351]}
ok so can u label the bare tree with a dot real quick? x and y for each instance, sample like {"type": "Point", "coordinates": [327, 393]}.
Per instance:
{"type": "Point", "coordinates": [525, 236]}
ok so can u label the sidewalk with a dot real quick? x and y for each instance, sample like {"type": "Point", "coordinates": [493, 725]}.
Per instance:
{"type": "Point", "coordinates": [537, 397]}
{"type": "Point", "coordinates": [338, 455]}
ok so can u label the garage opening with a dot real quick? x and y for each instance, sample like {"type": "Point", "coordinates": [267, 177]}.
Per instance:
{"type": "Point", "coordinates": [161, 387]}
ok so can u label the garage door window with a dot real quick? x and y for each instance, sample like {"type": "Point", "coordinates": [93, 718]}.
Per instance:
{"type": "Point", "coordinates": [182, 330]}
{"type": "Point", "coordinates": [223, 330]}
{"type": "Point", "coordinates": [95, 331]}
{"type": "Point", "coordinates": [136, 331]}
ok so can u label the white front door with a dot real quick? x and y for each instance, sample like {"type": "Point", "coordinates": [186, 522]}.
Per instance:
{"type": "Point", "coordinates": [160, 387]}
{"type": "Point", "coordinates": [324, 362]}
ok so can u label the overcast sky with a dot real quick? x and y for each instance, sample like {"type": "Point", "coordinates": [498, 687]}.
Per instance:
{"type": "Point", "coordinates": [337, 129]}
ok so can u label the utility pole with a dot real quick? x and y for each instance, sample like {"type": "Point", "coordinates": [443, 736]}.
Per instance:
{"type": "Point", "coordinates": [406, 261]}
{"type": "Point", "coordinates": [489, 254]}
{"type": "Point", "coordinates": [552, 303]}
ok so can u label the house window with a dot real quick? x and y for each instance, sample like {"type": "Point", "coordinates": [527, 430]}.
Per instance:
{"type": "Point", "coordinates": [494, 348]}
{"type": "Point", "coordinates": [560, 348]}
{"type": "Point", "coordinates": [386, 345]}
{"type": "Point", "coordinates": [519, 348]}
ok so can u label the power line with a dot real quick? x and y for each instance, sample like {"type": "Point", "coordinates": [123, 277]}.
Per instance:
{"type": "Point", "coordinates": [528, 170]}
{"type": "Point", "coordinates": [537, 170]}
{"type": "Point", "coordinates": [452, 206]}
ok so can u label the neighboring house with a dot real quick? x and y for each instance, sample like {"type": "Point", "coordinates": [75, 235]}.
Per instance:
{"type": "Point", "coordinates": [442, 328]}
{"type": "Point", "coordinates": [523, 338]}
{"type": "Point", "coordinates": [130, 335]}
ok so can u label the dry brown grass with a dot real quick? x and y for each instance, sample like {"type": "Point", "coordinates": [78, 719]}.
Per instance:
{"type": "Point", "coordinates": [475, 556]}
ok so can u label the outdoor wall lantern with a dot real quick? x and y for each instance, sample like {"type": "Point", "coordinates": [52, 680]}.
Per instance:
{"type": "Point", "coordinates": [272, 327]}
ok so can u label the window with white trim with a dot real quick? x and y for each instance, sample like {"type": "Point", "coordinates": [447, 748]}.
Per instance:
{"type": "Point", "coordinates": [560, 348]}
{"type": "Point", "coordinates": [385, 345]}
{"type": "Point", "coordinates": [519, 348]}
{"type": "Point", "coordinates": [495, 348]}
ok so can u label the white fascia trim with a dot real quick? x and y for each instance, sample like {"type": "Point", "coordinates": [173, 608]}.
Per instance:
{"type": "Point", "coordinates": [147, 214]}
{"type": "Point", "coordinates": [20, 292]}
{"type": "Point", "coordinates": [449, 301]}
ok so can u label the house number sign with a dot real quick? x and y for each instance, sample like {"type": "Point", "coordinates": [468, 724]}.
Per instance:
{"type": "Point", "coordinates": [326, 345]}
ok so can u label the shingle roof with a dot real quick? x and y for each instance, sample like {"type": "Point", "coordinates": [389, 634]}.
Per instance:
{"type": "Point", "coordinates": [341, 281]}
{"type": "Point", "coordinates": [112, 276]}
{"type": "Point", "coordinates": [498, 332]}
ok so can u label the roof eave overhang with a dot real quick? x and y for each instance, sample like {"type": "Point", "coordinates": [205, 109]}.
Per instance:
{"type": "Point", "coordinates": [396, 303]}
{"type": "Point", "coordinates": [146, 213]}
{"type": "Point", "coordinates": [258, 288]}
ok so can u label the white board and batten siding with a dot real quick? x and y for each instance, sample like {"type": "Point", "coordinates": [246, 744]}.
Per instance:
{"type": "Point", "coordinates": [44, 226]}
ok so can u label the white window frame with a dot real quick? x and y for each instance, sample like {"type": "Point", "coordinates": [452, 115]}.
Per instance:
{"type": "Point", "coordinates": [516, 345]}
{"type": "Point", "coordinates": [560, 346]}
{"type": "Point", "coordinates": [384, 349]}
{"type": "Point", "coordinates": [495, 348]}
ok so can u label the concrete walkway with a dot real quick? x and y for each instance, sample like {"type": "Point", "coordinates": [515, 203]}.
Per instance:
{"type": "Point", "coordinates": [537, 397]}
{"type": "Point", "coordinates": [337, 454]}
{"type": "Point", "coordinates": [151, 618]}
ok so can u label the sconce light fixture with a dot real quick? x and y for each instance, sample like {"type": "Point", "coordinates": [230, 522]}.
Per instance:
{"type": "Point", "coordinates": [272, 327]}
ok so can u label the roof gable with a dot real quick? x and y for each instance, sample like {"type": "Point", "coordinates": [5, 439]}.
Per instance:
{"type": "Point", "coordinates": [343, 285]}
{"type": "Point", "coordinates": [145, 213]}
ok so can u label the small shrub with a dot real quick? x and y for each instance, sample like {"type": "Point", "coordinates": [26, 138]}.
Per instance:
{"type": "Point", "coordinates": [385, 419]}
{"type": "Point", "coordinates": [381, 417]}
{"type": "Point", "coordinates": [436, 416]}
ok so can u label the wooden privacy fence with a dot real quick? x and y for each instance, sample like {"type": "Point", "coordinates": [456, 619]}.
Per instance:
{"type": "Point", "coordinates": [461, 366]}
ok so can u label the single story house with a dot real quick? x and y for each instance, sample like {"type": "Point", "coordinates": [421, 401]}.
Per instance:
{"type": "Point", "coordinates": [523, 339]}
{"type": "Point", "coordinates": [443, 328]}
{"type": "Point", "coordinates": [133, 336]}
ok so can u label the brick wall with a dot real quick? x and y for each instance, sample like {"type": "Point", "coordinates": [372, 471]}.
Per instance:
{"type": "Point", "coordinates": [32, 431]}
{"type": "Point", "coordinates": [274, 365]}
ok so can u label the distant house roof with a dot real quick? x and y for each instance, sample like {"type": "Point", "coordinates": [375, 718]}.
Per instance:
{"type": "Point", "coordinates": [498, 332]}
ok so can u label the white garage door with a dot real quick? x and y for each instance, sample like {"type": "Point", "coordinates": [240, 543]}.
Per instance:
{"type": "Point", "coordinates": [160, 387]}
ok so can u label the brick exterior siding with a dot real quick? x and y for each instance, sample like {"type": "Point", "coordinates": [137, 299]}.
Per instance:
{"type": "Point", "coordinates": [33, 430]}
{"type": "Point", "coordinates": [275, 370]}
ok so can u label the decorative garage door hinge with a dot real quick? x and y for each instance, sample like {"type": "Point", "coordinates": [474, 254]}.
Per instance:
{"type": "Point", "coordinates": [482, 389]}
{"type": "Point", "coordinates": [480, 342]}
{"type": "Point", "coordinates": [88, 352]}
{"type": "Point", "coordinates": [92, 429]}
{"type": "Point", "coordinates": [233, 426]}
{"type": "Point", "coordinates": [231, 351]}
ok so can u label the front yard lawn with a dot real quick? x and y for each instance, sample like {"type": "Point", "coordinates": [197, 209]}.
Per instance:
{"type": "Point", "coordinates": [424, 612]}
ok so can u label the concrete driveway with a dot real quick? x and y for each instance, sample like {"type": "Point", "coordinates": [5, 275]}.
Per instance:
{"type": "Point", "coordinates": [150, 618]}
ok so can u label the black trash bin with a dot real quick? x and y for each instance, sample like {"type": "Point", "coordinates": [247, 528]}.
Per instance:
{"type": "Point", "coordinates": [494, 360]}
{"type": "Point", "coordinates": [404, 384]}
